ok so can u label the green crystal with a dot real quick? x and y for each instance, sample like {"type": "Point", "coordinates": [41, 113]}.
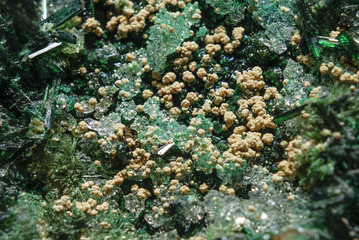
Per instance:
{"type": "Point", "coordinates": [127, 110]}
{"type": "Point", "coordinates": [167, 33]}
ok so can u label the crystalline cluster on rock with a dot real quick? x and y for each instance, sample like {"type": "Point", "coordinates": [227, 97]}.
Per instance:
{"type": "Point", "coordinates": [124, 131]}
{"type": "Point", "coordinates": [270, 213]}
{"type": "Point", "coordinates": [151, 107]}
{"type": "Point", "coordinates": [295, 89]}
{"type": "Point", "coordinates": [129, 76]}
{"type": "Point", "coordinates": [277, 20]}
{"type": "Point", "coordinates": [127, 110]}
{"type": "Point", "coordinates": [133, 204]}
{"type": "Point", "coordinates": [181, 138]}
{"type": "Point", "coordinates": [168, 32]}
{"type": "Point", "coordinates": [140, 124]}
{"type": "Point", "coordinates": [203, 123]}
{"type": "Point", "coordinates": [106, 125]}
{"type": "Point", "coordinates": [107, 52]}
{"type": "Point", "coordinates": [191, 210]}
{"type": "Point", "coordinates": [231, 173]}
{"type": "Point", "coordinates": [278, 34]}
{"type": "Point", "coordinates": [234, 9]}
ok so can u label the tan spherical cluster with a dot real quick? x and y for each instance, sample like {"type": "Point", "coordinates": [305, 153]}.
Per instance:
{"type": "Point", "coordinates": [251, 208]}
{"type": "Point", "coordinates": [315, 92]}
{"type": "Point", "coordinates": [140, 164]}
{"type": "Point", "coordinates": [253, 110]}
{"type": "Point", "coordinates": [222, 188]}
{"type": "Point", "coordinates": [105, 225]}
{"type": "Point", "coordinates": [206, 108]}
{"type": "Point", "coordinates": [166, 92]}
{"type": "Point", "coordinates": [130, 57]}
{"type": "Point", "coordinates": [174, 185]}
{"type": "Point", "coordinates": [175, 111]}
{"type": "Point", "coordinates": [93, 102]}
{"type": "Point", "coordinates": [245, 142]}
{"type": "Point", "coordinates": [77, 20]}
{"type": "Point", "coordinates": [268, 138]}
{"type": "Point", "coordinates": [102, 91]}
{"type": "Point", "coordinates": [90, 134]}
{"type": "Point", "coordinates": [212, 49]}
{"type": "Point", "coordinates": [285, 9]}
{"type": "Point", "coordinates": [304, 114]}
{"type": "Point", "coordinates": [184, 189]}
{"type": "Point", "coordinates": [186, 51]}
{"type": "Point", "coordinates": [201, 73]}
{"type": "Point", "coordinates": [271, 92]}
{"type": "Point", "coordinates": [120, 130]}
{"type": "Point", "coordinates": [88, 206]}
{"type": "Point", "coordinates": [103, 141]}
{"type": "Point", "coordinates": [92, 25]}
{"type": "Point", "coordinates": [237, 35]}
{"type": "Point", "coordinates": [291, 197]}
{"type": "Point", "coordinates": [128, 22]}
{"type": "Point", "coordinates": [210, 79]}
{"type": "Point", "coordinates": [262, 120]}
{"type": "Point", "coordinates": [203, 188]}
{"type": "Point", "coordinates": [229, 119]}
{"type": "Point", "coordinates": [79, 107]}
{"type": "Point", "coordinates": [147, 94]}
{"type": "Point", "coordinates": [307, 60]}
{"type": "Point", "coordinates": [289, 167]}
{"type": "Point", "coordinates": [225, 189]}
{"type": "Point", "coordinates": [192, 66]}
{"type": "Point", "coordinates": [102, 207]}
{"type": "Point", "coordinates": [143, 193]}
{"type": "Point", "coordinates": [192, 97]}
{"type": "Point", "coordinates": [169, 77]}
{"type": "Point", "coordinates": [96, 191]}
{"type": "Point", "coordinates": [62, 204]}
{"type": "Point", "coordinates": [180, 4]}
{"type": "Point", "coordinates": [206, 58]}
{"type": "Point", "coordinates": [157, 192]}
{"type": "Point", "coordinates": [247, 148]}
{"type": "Point", "coordinates": [251, 79]}
{"type": "Point", "coordinates": [108, 187]}
{"type": "Point", "coordinates": [188, 77]}
{"type": "Point", "coordinates": [82, 126]}
{"type": "Point", "coordinates": [185, 104]}
{"type": "Point", "coordinates": [220, 36]}
{"type": "Point", "coordinates": [306, 84]}
{"type": "Point", "coordinates": [82, 70]}
{"type": "Point", "coordinates": [231, 191]}
{"type": "Point", "coordinates": [86, 185]}
{"type": "Point", "coordinates": [323, 69]}
{"type": "Point", "coordinates": [118, 83]}
{"type": "Point", "coordinates": [337, 72]}
{"type": "Point", "coordinates": [334, 34]}
{"type": "Point", "coordinates": [134, 188]}
{"type": "Point", "coordinates": [177, 167]}
{"type": "Point", "coordinates": [220, 94]}
{"type": "Point", "coordinates": [296, 38]}
{"type": "Point", "coordinates": [220, 110]}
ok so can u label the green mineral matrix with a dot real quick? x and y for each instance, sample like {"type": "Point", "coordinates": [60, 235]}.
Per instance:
{"type": "Point", "coordinates": [179, 119]}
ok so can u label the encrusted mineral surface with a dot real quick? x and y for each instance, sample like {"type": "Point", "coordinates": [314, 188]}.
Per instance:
{"type": "Point", "coordinates": [179, 119]}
